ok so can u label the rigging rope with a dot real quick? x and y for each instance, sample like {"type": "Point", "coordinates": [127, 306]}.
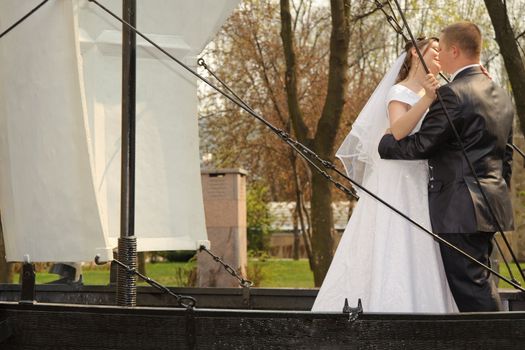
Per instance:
{"type": "Point", "coordinates": [183, 300]}
{"type": "Point", "coordinates": [22, 19]}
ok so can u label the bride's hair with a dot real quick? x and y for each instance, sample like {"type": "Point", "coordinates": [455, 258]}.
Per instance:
{"type": "Point", "coordinates": [423, 45]}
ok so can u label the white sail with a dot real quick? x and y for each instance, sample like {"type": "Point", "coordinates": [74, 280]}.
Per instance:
{"type": "Point", "coordinates": [60, 94]}
{"type": "Point", "coordinates": [47, 199]}
{"type": "Point", "coordinates": [169, 208]}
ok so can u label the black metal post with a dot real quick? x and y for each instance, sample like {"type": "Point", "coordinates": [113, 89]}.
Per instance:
{"type": "Point", "coordinates": [28, 292]}
{"type": "Point", "coordinates": [127, 244]}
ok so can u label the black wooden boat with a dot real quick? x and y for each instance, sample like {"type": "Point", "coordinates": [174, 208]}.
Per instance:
{"type": "Point", "coordinates": [82, 317]}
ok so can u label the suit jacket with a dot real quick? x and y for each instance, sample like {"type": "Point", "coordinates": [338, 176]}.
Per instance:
{"type": "Point", "coordinates": [483, 114]}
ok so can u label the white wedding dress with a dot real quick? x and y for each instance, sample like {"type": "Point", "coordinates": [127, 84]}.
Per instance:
{"type": "Point", "coordinates": [384, 260]}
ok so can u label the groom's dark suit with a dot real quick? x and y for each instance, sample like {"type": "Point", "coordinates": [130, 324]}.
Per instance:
{"type": "Point", "coordinates": [482, 113]}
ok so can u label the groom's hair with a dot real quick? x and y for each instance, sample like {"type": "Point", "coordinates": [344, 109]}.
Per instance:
{"type": "Point", "coordinates": [466, 35]}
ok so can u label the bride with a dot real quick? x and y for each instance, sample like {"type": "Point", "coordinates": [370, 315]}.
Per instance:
{"type": "Point", "coordinates": [384, 260]}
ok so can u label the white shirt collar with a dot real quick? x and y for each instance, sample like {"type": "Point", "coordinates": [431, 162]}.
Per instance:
{"type": "Point", "coordinates": [453, 76]}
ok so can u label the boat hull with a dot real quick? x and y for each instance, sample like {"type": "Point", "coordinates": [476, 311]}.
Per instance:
{"type": "Point", "coordinates": [62, 326]}
{"type": "Point", "coordinates": [82, 317]}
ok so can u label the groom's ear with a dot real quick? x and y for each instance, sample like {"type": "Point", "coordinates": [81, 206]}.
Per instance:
{"type": "Point", "coordinates": [454, 50]}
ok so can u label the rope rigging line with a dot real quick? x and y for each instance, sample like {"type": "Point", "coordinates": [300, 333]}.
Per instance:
{"type": "Point", "coordinates": [521, 48]}
{"type": "Point", "coordinates": [464, 152]}
{"type": "Point", "coordinates": [295, 145]}
{"type": "Point", "coordinates": [520, 35]}
{"type": "Point", "coordinates": [391, 19]}
{"type": "Point", "coordinates": [242, 281]}
{"type": "Point", "coordinates": [395, 26]}
{"type": "Point", "coordinates": [22, 19]}
{"type": "Point", "coordinates": [517, 39]}
{"type": "Point", "coordinates": [516, 148]}
{"type": "Point", "coordinates": [183, 300]}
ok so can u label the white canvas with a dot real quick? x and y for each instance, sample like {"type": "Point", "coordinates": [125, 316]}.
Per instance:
{"type": "Point", "coordinates": [47, 200]}
{"type": "Point", "coordinates": [60, 107]}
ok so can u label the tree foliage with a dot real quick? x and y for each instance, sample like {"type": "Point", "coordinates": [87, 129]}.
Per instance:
{"type": "Point", "coordinates": [258, 219]}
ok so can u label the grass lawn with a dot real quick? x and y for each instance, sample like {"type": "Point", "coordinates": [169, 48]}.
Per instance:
{"type": "Point", "coordinates": [503, 270]}
{"type": "Point", "coordinates": [283, 273]}
{"type": "Point", "coordinates": [171, 274]}
{"type": "Point", "coordinates": [269, 273]}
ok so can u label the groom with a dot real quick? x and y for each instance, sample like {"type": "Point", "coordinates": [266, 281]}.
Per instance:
{"type": "Point", "coordinates": [482, 114]}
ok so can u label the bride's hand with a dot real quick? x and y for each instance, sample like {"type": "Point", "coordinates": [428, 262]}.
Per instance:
{"type": "Point", "coordinates": [485, 71]}
{"type": "Point", "coordinates": [430, 84]}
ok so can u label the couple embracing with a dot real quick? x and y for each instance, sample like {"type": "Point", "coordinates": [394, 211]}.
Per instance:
{"type": "Point", "coordinates": [419, 168]}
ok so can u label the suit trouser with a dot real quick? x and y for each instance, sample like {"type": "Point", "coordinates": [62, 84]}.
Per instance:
{"type": "Point", "coordinates": [470, 284]}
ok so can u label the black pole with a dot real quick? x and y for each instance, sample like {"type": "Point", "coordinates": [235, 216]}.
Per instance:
{"type": "Point", "coordinates": [127, 244]}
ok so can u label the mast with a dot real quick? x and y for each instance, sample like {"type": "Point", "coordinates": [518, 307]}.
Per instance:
{"type": "Point", "coordinates": [127, 243]}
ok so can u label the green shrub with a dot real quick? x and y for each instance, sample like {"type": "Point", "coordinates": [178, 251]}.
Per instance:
{"type": "Point", "coordinates": [258, 218]}
{"type": "Point", "coordinates": [178, 255]}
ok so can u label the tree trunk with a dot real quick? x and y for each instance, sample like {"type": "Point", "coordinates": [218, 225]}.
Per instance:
{"type": "Point", "coordinates": [298, 215]}
{"type": "Point", "coordinates": [303, 215]}
{"type": "Point", "coordinates": [322, 227]}
{"type": "Point", "coordinates": [287, 36]}
{"type": "Point", "coordinates": [324, 140]}
{"type": "Point", "coordinates": [296, 237]}
{"type": "Point", "coordinates": [327, 126]}
{"type": "Point", "coordinates": [511, 55]}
